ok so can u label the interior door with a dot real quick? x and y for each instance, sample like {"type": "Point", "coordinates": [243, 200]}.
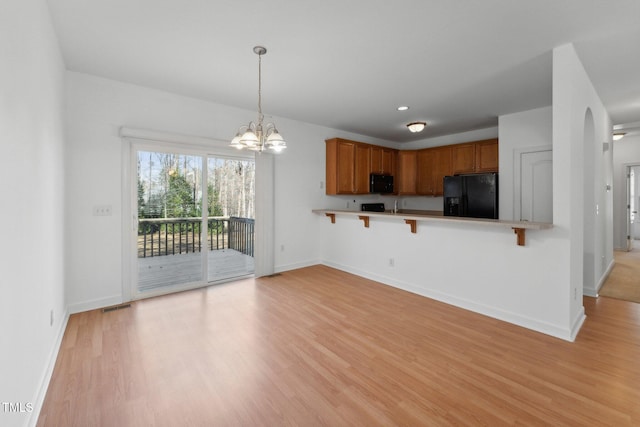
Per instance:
{"type": "Point", "coordinates": [632, 206]}
{"type": "Point", "coordinates": [536, 186]}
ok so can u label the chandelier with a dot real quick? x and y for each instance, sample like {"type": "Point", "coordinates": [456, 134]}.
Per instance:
{"type": "Point", "coordinates": [259, 136]}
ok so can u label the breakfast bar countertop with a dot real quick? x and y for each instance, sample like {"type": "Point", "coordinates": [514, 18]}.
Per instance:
{"type": "Point", "coordinates": [411, 217]}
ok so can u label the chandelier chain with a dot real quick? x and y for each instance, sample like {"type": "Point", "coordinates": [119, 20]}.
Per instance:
{"type": "Point", "coordinates": [260, 116]}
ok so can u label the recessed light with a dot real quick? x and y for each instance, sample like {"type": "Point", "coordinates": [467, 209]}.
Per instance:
{"type": "Point", "coordinates": [403, 108]}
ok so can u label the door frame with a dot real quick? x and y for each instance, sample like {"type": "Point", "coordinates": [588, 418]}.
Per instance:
{"type": "Point", "coordinates": [627, 173]}
{"type": "Point", "coordinates": [131, 139]}
{"type": "Point", "coordinates": [517, 175]}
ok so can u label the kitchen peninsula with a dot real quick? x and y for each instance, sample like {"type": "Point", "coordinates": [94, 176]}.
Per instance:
{"type": "Point", "coordinates": [413, 217]}
{"type": "Point", "coordinates": [471, 263]}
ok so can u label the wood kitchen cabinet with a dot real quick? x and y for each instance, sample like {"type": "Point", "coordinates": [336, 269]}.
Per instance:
{"type": "Point", "coordinates": [487, 155]}
{"type": "Point", "coordinates": [362, 169]}
{"type": "Point", "coordinates": [348, 167]}
{"type": "Point", "coordinates": [433, 165]}
{"type": "Point", "coordinates": [463, 157]}
{"type": "Point", "coordinates": [425, 160]}
{"type": "Point", "coordinates": [475, 157]}
{"type": "Point", "coordinates": [406, 182]}
{"type": "Point", "coordinates": [415, 172]}
{"type": "Point", "coordinates": [442, 166]}
{"type": "Point", "coordinates": [383, 160]}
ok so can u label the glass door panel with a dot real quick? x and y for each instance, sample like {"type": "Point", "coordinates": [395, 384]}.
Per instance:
{"type": "Point", "coordinates": [230, 189]}
{"type": "Point", "coordinates": [170, 221]}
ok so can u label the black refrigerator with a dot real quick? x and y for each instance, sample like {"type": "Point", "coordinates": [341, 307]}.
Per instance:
{"type": "Point", "coordinates": [473, 196]}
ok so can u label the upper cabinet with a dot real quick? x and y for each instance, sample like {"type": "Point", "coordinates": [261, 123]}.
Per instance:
{"type": "Point", "coordinates": [433, 165]}
{"type": "Point", "coordinates": [487, 155]}
{"type": "Point", "coordinates": [475, 157]}
{"type": "Point", "coordinates": [442, 166]}
{"type": "Point", "coordinates": [349, 164]}
{"type": "Point", "coordinates": [415, 172]}
{"type": "Point", "coordinates": [406, 182]}
{"type": "Point", "coordinates": [383, 160]}
{"type": "Point", "coordinates": [463, 158]}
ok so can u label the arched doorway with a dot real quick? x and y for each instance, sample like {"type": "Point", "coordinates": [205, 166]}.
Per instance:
{"type": "Point", "coordinates": [589, 204]}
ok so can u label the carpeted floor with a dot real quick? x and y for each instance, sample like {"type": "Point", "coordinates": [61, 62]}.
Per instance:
{"type": "Point", "coordinates": [624, 280]}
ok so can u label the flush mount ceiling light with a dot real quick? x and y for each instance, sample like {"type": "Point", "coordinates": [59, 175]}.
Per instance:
{"type": "Point", "coordinates": [618, 136]}
{"type": "Point", "coordinates": [416, 126]}
{"type": "Point", "coordinates": [256, 136]}
{"type": "Point", "coordinates": [403, 108]}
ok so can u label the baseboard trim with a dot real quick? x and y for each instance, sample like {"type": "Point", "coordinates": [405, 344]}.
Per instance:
{"type": "Point", "coordinates": [577, 323]}
{"type": "Point", "coordinates": [94, 304]}
{"type": "Point", "coordinates": [594, 292]}
{"type": "Point", "coordinates": [48, 372]}
{"type": "Point", "coordinates": [295, 266]}
{"type": "Point", "coordinates": [496, 313]}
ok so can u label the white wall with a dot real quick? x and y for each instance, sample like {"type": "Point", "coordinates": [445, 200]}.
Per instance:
{"type": "Point", "coordinates": [574, 102]}
{"type": "Point", "coordinates": [527, 129]}
{"type": "Point", "coordinates": [97, 108]}
{"type": "Point", "coordinates": [32, 213]}
{"type": "Point", "coordinates": [625, 152]}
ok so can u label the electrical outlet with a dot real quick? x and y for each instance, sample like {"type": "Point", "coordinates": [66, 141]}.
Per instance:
{"type": "Point", "coordinates": [102, 210]}
{"type": "Point", "coordinates": [281, 248]}
{"type": "Point", "coordinates": [321, 185]}
{"type": "Point", "coordinates": [392, 262]}
{"type": "Point", "coordinates": [51, 318]}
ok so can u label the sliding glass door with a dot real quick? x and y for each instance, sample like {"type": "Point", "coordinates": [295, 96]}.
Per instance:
{"type": "Point", "coordinates": [195, 217]}
{"type": "Point", "coordinates": [231, 190]}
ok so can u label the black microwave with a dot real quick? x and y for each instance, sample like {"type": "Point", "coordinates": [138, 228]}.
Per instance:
{"type": "Point", "coordinates": [380, 183]}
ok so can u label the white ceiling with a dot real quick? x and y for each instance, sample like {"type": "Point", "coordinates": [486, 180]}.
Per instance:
{"type": "Point", "coordinates": [347, 64]}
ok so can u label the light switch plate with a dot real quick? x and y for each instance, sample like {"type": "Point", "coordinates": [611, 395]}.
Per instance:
{"type": "Point", "coordinates": [102, 210]}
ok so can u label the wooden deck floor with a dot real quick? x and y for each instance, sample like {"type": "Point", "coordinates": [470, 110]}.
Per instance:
{"type": "Point", "coordinates": [162, 271]}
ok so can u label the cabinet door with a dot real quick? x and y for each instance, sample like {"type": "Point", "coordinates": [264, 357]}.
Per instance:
{"type": "Point", "coordinates": [388, 161]}
{"type": "Point", "coordinates": [346, 154]}
{"type": "Point", "coordinates": [425, 171]}
{"type": "Point", "coordinates": [463, 158]}
{"type": "Point", "coordinates": [442, 167]}
{"type": "Point", "coordinates": [362, 167]}
{"type": "Point", "coordinates": [376, 159]}
{"type": "Point", "coordinates": [383, 160]}
{"type": "Point", "coordinates": [407, 164]}
{"type": "Point", "coordinates": [487, 156]}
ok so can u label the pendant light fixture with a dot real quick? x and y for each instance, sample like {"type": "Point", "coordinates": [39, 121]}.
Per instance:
{"type": "Point", "coordinates": [257, 136]}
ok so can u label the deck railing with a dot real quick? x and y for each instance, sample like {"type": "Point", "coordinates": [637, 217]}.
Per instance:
{"type": "Point", "coordinates": [171, 236]}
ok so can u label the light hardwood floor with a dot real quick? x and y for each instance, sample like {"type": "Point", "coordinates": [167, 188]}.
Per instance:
{"type": "Point", "coordinates": [317, 346]}
{"type": "Point", "coordinates": [624, 280]}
